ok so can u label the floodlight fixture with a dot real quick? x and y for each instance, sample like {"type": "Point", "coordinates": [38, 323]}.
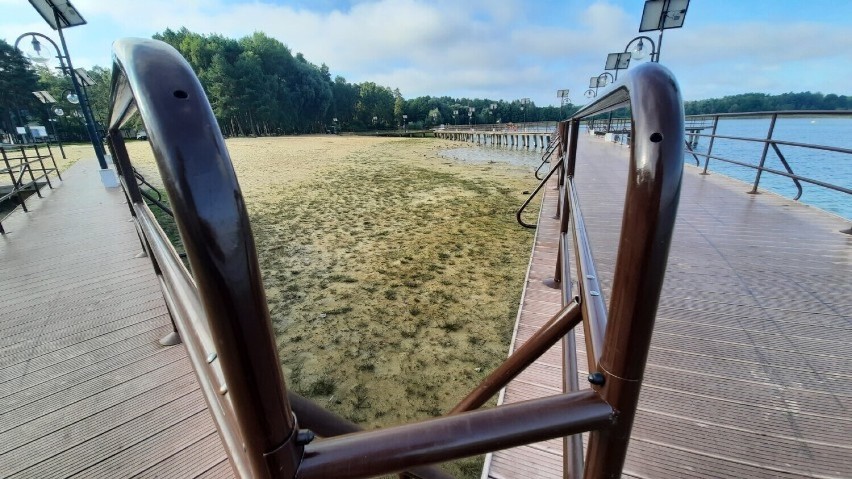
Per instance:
{"type": "Point", "coordinates": [44, 97]}
{"type": "Point", "coordinates": [58, 13]}
{"type": "Point", "coordinates": [663, 14]}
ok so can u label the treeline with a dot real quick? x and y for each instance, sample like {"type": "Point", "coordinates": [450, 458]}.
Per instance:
{"type": "Point", "coordinates": [258, 87]}
{"type": "Point", "coordinates": [751, 102]}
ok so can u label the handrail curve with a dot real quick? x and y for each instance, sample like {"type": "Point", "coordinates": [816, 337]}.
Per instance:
{"type": "Point", "coordinates": [220, 310]}
{"type": "Point", "coordinates": [654, 178]}
{"type": "Point", "coordinates": [152, 78]}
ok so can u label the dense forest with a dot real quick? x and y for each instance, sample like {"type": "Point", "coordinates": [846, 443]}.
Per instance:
{"type": "Point", "coordinates": [750, 102]}
{"type": "Point", "coordinates": [257, 86]}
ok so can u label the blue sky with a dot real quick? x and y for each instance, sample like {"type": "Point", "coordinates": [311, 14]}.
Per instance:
{"type": "Point", "coordinates": [504, 49]}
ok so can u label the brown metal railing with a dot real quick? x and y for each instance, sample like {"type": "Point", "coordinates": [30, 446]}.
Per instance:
{"type": "Point", "coordinates": [552, 146]}
{"type": "Point", "coordinates": [519, 127]}
{"type": "Point", "coordinates": [696, 125]}
{"type": "Point", "coordinates": [769, 141]}
{"type": "Point", "coordinates": [221, 315]}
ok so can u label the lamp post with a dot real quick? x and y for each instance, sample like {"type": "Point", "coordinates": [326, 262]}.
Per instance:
{"type": "Point", "coordinates": [594, 82]}
{"type": "Point", "coordinates": [60, 15]}
{"type": "Point", "coordinates": [563, 99]}
{"type": "Point", "coordinates": [524, 102]}
{"type": "Point", "coordinates": [657, 15]}
{"type": "Point", "coordinates": [47, 99]}
{"type": "Point", "coordinates": [602, 82]}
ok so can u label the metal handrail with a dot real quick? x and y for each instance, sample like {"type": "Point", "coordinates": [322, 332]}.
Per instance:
{"type": "Point", "coordinates": [552, 146]}
{"type": "Point", "coordinates": [618, 339]}
{"type": "Point", "coordinates": [221, 313]}
{"type": "Point", "coordinates": [499, 127]}
{"type": "Point", "coordinates": [697, 123]}
{"type": "Point", "coordinates": [152, 201]}
{"type": "Point", "coordinates": [519, 213]}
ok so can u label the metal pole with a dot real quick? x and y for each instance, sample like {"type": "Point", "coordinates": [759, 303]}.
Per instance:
{"type": "Point", "coordinates": [763, 156]}
{"type": "Point", "coordinates": [87, 114]}
{"type": "Point", "coordinates": [710, 145]}
{"type": "Point", "coordinates": [55, 135]}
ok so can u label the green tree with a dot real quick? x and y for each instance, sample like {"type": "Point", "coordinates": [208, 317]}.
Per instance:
{"type": "Point", "coordinates": [17, 82]}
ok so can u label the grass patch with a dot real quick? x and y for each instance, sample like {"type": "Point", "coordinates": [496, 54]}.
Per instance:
{"type": "Point", "coordinates": [392, 276]}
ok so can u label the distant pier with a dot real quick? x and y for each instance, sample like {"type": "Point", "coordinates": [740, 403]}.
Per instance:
{"type": "Point", "coordinates": [537, 137]}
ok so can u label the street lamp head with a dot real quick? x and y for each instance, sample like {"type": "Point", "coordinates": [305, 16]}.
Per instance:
{"type": "Point", "coordinates": [36, 54]}
{"type": "Point", "coordinates": [638, 52]}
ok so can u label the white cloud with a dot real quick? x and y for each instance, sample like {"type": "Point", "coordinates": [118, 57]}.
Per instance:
{"type": "Point", "coordinates": [505, 49]}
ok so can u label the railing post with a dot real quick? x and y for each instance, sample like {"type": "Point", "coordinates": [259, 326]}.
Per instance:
{"type": "Point", "coordinates": [152, 78]}
{"type": "Point", "coordinates": [763, 155]}
{"type": "Point", "coordinates": [710, 145]}
{"type": "Point", "coordinates": [571, 160]}
{"type": "Point", "coordinates": [650, 206]}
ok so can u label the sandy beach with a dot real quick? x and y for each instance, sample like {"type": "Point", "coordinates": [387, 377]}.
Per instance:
{"type": "Point", "coordinates": [392, 274]}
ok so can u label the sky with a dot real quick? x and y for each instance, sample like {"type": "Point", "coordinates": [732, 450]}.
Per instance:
{"type": "Point", "coordinates": [497, 49]}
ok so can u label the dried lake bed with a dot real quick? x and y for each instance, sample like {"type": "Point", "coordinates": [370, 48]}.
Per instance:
{"type": "Point", "coordinates": [392, 271]}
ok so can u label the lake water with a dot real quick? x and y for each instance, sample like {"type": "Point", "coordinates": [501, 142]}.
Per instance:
{"type": "Point", "coordinates": [826, 166]}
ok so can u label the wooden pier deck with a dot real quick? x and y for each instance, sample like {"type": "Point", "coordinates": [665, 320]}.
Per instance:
{"type": "Point", "coordinates": [750, 370]}
{"type": "Point", "coordinates": [749, 374]}
{"type": "Point", "coordinates": [85, 387]}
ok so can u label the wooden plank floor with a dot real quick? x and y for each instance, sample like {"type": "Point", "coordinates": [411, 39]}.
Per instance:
{"type": "Point", "coordinates": [750, 372]}
{"type": "Point", "coordinates": [85, 388]}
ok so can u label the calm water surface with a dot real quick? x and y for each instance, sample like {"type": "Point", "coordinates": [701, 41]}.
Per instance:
{"type": "Point", "coordinates": [826, 166]}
